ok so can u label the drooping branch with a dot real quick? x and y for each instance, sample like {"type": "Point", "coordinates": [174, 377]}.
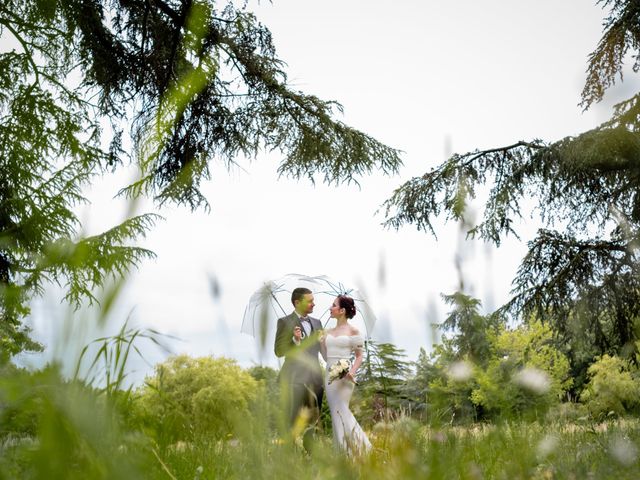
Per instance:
{"type": "Point", "coordinates": [622, 32]}
{"type": "Point", "coordinates": [446, 190]}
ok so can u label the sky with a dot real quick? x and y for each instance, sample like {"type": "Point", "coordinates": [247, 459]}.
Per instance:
{"type": "Point", "coordinates": [428, 78]}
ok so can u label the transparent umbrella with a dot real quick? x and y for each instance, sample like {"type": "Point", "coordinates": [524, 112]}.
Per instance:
{"type": "Point", "coordinates": [330, 288]}
{"type": "Point", "coordinates": [273, 301]}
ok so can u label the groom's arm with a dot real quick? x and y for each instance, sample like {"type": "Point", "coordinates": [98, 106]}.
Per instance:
{"type": "Point", "coordinates": [284, 338]}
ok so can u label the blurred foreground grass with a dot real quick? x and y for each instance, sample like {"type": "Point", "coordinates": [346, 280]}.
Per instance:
{"type": "Point", "coordinates": [406, 450]}
{"type": "Point", "coordinates": [55, 428]}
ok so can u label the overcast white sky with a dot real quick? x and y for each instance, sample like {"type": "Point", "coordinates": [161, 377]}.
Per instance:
{"type": "Point", "coordinates": [424, 77]}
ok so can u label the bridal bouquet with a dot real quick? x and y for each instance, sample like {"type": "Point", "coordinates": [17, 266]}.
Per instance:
{"type": "Point", "coordinates": [339, 370]}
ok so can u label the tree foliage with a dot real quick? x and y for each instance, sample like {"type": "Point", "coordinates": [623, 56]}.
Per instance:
{"type": "Point", "coordinates": [382, 378]}
{"type": "Point", "coordinates": [522, 374]}
{"type": "Point", "coordinates": [586, 189]}
{"type": "Point", "coordinates": [451, 381]}
{"type": "Point", "coordinates": [203, 82]}
{"type": "Point", "coordinates": [526, 374]}
{"type": "Point", "coordinates": [49, 151]}
{"type": "Point", "coordinates": [472, 329]}
{"type": "Point", "coordinates": [190, 83]}
{"type": "Point", "coordinates": [417, 386]}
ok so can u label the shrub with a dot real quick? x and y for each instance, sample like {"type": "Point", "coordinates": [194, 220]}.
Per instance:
{"type": "Point", "coordinates": [194, 396]}
{"type": "Point", "coordinates": [612, 388]}
{"type": "Point", "coordinates": [525, 375]}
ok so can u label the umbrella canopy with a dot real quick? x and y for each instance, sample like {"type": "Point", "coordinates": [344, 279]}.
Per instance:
{"type": "Point", "coordinates": [273, 301]}
{"type": "Point", "coordinates": [331, 288]}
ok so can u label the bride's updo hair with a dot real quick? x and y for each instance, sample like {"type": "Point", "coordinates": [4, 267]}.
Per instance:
{"type": "Point", "coordinates": [348, 304]}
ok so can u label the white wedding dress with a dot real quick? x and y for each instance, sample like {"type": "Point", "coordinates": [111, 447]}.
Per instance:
{"type": "Point", "coordinates": [347, 433]}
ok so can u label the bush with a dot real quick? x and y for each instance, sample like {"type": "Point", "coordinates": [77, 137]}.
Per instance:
{"type": "Point", "coordinates": [195, 396]}
{"type": "Point", "coordinates": [525, 375]}
{"type": "Point", "coordinates": [449, 396]}
{"type": "Point", "coordinates": [612, 388]}
{"type": "Point", "coordinates": [21, 400]}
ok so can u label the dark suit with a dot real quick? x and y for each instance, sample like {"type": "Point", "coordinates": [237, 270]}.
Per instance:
{"type": "Point", "coordinates": [301, 374]}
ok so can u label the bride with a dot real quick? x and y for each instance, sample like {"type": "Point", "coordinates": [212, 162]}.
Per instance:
{"type": "Point", "coordinates": [339, 343]}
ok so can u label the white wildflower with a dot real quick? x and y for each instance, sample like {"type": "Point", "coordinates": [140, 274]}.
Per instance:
{"type": "Point", "coordinates": [199, 471]}
{"type": "Point", "coordinates": [624, 451]}
{"type": "Point", "coordinates": [547, 446]}
{"type": "Point", "coordinates": [460, 371]}
{"type": "Point", "coordinates": [533, 379]}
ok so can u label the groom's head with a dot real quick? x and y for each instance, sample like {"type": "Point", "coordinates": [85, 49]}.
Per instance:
{"type": "Point", "coordinates": [302, 300]}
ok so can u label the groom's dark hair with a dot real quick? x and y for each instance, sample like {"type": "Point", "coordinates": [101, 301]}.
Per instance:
{"type": "Point", "coordinates": [298, 293]}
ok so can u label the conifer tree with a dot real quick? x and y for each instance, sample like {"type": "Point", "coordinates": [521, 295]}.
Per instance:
{"type": "Point", "coordinates": [383, 378]}
{"type": "Point", "coordinates": [190, 82]}
{"type": "Point", "coordinates": [581, 272]}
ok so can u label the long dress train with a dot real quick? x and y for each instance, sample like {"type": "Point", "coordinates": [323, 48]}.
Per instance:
{"type": "Point", "coordinates": [347, 433]}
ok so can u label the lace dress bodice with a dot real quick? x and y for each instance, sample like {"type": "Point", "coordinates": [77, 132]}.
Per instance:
{"type": "Point", "coordinates": [341, 346]}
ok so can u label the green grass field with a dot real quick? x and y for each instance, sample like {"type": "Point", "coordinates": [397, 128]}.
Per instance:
{"type": "Point", "coordinates": [71, 431]}
{"type": "Point", "coordinates": [178, 426]}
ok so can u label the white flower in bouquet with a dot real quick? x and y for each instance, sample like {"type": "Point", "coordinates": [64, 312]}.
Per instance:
{"type": "Point", "coordinates": [339, 369]}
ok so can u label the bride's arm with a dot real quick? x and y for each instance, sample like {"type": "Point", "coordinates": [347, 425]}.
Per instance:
{"type": "Point", "coordinates": [357, 350]}
{"type": "Point", "coordinates": [323, 345]}
{"type": "Point", "coordinates": [357, 362]}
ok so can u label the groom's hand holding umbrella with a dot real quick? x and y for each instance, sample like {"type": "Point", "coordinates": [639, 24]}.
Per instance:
{"type": "Point", "coordinates": [297, 334]}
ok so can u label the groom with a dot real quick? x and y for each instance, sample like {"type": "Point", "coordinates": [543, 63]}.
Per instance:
{"type": "Point", "coordinates": [297, 339]}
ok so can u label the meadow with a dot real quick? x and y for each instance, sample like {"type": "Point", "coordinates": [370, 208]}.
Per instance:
{"type": "Point", "coordinates": [178, 426]}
